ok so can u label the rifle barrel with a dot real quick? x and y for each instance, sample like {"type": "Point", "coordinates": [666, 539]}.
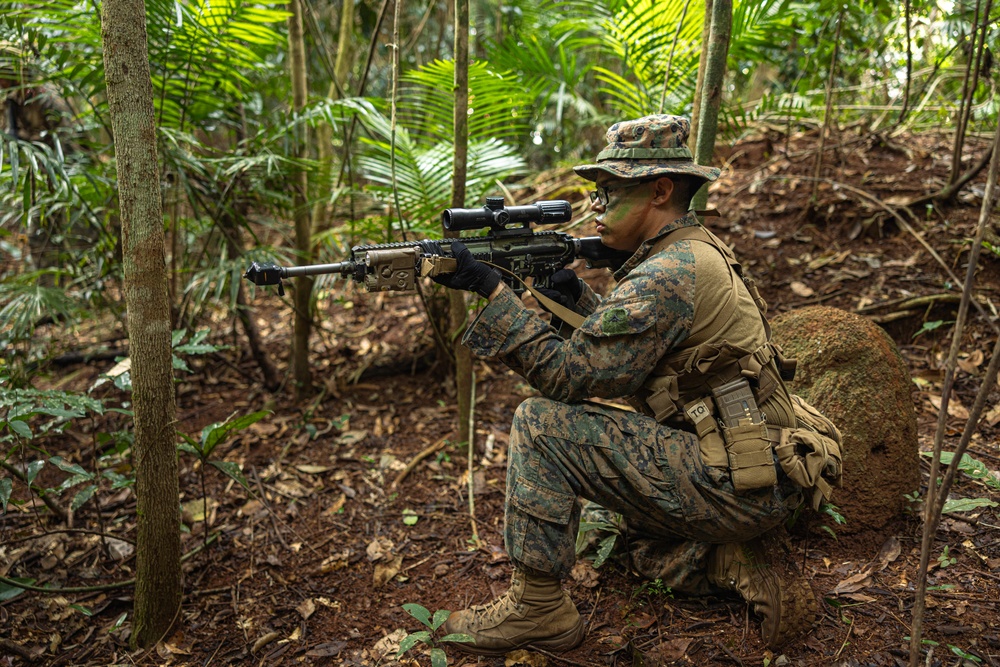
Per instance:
{"type": "Point", "coordinates": [343, 268]}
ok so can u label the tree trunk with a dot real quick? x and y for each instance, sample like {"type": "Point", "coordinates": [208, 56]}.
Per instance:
{"type": "Point", "coordinates": [711, 96]}
{"type": "Point", "coordinates": [301, 373]}
{"type": "Point", "coordinates": [706, 37]}
{"type": "Point", "coordinates": [456, 299]}
{"type": "Point", "coordinates": [130, 101]}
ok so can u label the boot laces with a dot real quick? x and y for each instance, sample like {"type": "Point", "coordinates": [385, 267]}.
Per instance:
{"type": "Point", "coordinates": [496, 610]}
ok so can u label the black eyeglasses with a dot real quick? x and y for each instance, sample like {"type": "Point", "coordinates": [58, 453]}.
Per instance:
{"type": "Point", "coordinates": [603, 194]}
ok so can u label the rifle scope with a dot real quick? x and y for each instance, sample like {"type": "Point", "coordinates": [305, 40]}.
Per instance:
{"type": "Point", "coordinates": [497, 217]}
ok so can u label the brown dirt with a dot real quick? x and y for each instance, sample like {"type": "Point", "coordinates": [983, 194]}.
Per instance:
{"type": "Point", "coordinates": [306, 578]}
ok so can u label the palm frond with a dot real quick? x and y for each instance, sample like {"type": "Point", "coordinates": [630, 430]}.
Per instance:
{"type": "Point", "coordinates": [423, 174]}
{"type": "Point", "coordinates": [499, 107]}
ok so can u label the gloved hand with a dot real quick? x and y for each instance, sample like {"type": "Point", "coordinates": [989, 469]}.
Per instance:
{"type": "Point", "coordinates": [565, 289]}
{"type": "Point", "coordinates": [471, 274]}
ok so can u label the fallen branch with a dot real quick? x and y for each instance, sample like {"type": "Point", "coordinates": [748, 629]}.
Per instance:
{"type": "Point", "coordinates": [417, 459]}
{"type": "Point", "coordinates": [84, 531]}
{"type": "Point", "coordinates": [907, 302]}
{"type": "Point", "coordinates": [16, 649]}
{"type": "Point", "coordinates": [948, 192]}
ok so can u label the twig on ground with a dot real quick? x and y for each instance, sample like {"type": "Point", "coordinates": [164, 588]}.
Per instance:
{"type": "Point", "coordinates": [417, 459]}
{"type": "Point", "coordinates": [56, 531]}
{"type": "Point", "coordinates": [99, 587]}
{"type": "Point", "coordinates": [16, 649]}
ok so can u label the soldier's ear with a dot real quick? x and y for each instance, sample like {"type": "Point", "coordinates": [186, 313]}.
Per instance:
{"type": "Point", "coordinates": [663, 189]}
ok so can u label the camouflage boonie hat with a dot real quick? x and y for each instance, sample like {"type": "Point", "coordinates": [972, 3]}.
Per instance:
{"type": "Point", "coordinates": [649, 146]}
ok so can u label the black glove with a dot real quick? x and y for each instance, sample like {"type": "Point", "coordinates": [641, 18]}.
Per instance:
{"type": "Point", "coordinates": [471, 274]}
{"type": "Point", "coordinates": [565, 289]}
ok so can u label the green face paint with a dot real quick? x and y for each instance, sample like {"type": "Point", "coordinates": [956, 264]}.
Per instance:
{"type": "Point", "coordinates": [619, 227]}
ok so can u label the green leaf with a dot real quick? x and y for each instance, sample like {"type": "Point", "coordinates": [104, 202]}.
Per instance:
{"type": "Point", "coordinates": [179, 364]}
{"type": "Point", "coordinates": [410, 640]}
{"type": "Point", "coordinates": [418, 612]}
{"type": "Point", "coordinates": [83, 610]}
{"type": "Point", "coordinates": [440, 616]}
{"type": "Point", "coordinates": [118, 622]}
{"type": "Point", "coordinates": [213, 434]}
{"type": "Point", "coordinates": [962, 654]}
{"type": "Point", "coordinates": [232, 470]}
{"type": "Point", "coordinates": [9, 592]}
{"type": "Point", "coordinates": [604, 549]}
{"type": "Point", "coordinates": [931, 326]}
{"type": "Point", "coordinates": [438, 658]}
{"type": "Point", "coordinates": [410, 518]}
{"type": "Point", "coordinates": [6, 487]}
{"type": "Point", "coordinates": [972, 467]}
{"type": "Point", "coordinates": [83, 496]}
{"type": "Point", "coordinates": [966, 504]}
{"type": "Point", "coordinates": [459, 637]}
{"type": "Point", "coordinates": [190, 449]}
{"type": "Point", "coordinates": [33, 469]}
{"type": "Point", "coordinates": [20, 428]}
{"type": "Point", "coordinates": [65, 466]}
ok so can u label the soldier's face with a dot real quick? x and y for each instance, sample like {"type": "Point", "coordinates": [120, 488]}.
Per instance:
{"type": "Point", "coordinates": [621, 223]}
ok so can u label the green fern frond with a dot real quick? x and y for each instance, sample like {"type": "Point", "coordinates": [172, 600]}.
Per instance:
{"type": "Point", "coordinates": [26, 301]}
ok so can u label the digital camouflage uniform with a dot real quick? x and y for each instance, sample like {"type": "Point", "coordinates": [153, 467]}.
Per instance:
{"type": "Point", "coordinates": [680, 325]}
{"type": "Point", "coordinates": [564, 446]}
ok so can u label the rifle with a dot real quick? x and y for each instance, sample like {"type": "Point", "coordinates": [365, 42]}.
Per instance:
{"type": "Point", "coordinates": [510, 245]}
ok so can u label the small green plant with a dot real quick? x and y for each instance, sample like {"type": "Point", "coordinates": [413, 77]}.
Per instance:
{"type": "Point", "coordinates": [211, 437]}
{"type": "Point", "coordinates": [974, 468]}
{"type": "Point", "coordinates": [655, 588]}
{"type": "Point", "coordinates": [964, 655]}
{"type": "Point", "coordinates": [932, 326]}
{"type": "Point", "coordinates": [438, 656]}
{"type": "Point", "coordinates": [605, 534]}
{"type": "Point", "coordinates": [833, 512]}
{"type": "Point", "coordinates": [944, 560]}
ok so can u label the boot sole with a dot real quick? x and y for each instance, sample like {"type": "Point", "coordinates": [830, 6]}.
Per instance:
{"type": "Point", "coordinates": [561, 643]}
{"type": "Point", "coordinates": [800, 613]}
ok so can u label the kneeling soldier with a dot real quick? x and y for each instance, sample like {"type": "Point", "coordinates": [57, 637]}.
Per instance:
{"type": "Point", "coordinates": [699, 469]}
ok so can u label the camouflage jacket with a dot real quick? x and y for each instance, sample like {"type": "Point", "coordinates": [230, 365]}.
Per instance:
{"type": "Point", "coordinates": [659, 301]}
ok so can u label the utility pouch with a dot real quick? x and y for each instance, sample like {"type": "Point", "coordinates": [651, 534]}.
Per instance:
{"type": "Point", "coordinates": [811, 454]}
{"type": "Point", "coordinates": [713, 449]}
{"type": "Point", "coordinates": [751, 461]}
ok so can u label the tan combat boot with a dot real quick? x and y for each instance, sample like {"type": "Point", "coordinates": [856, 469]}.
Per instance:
{"type": "Point", "coordinates": [535, 612]}
{"type": "Point", "coordinates": [778, 592]}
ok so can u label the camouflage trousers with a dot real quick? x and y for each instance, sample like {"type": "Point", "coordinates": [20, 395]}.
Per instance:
{"type": "Point", "coordinates": [674, 506]}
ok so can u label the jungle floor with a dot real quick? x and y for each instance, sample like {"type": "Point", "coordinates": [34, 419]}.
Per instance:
{"type": "Point", "coordinates": [314, 566]}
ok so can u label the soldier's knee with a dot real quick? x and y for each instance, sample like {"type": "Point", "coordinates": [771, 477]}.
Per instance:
{"type": "Point", "coordinates": [533, 409]}
{"type": "Point", "coordinates": [529, 418]}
